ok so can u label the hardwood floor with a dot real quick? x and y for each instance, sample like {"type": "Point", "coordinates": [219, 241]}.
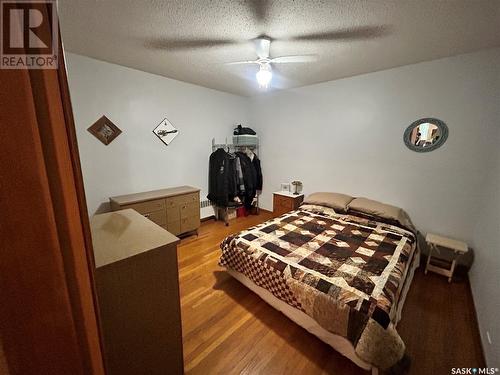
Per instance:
{"type": "Point", "coordinates": [227, 329]}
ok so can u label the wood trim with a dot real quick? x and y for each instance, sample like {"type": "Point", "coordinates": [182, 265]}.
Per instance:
{"type": "Point", "coordinates": [78, 179]}
{"type": "Point", "coordinates": [75, 157]}
{"type": "Point", "coordinates": [35, 315]}
{"type": "Point", "coordinates": [3, 363]}
{"type": "Point", "coordinates": [47, 316]}
{"type": "Point", "coordinates": [95, 353]}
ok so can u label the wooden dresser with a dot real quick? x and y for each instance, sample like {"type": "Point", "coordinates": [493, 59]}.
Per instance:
{"type": "Point", "coordinates": [285, 201]}
{"type": "Point", "coordinates": [175, 209]}
{"type": "Point", "coordinates": [137, 285]}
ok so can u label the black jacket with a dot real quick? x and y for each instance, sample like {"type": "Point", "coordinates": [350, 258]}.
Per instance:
{"type": "Point", "coordinates": [249, 177]}
{"type": "Point", "coordinates": [221, 178]}
{"type": "Point", "coordinates": [258, 171]}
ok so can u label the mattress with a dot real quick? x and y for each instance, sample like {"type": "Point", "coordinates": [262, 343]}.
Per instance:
{"type": "Point", "coordinates": [348, 274]}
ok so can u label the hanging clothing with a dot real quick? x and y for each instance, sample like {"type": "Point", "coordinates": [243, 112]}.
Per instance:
{"type": "Point", "coordinates": [221, 178]}
{"type": "Point", "coordinates": [240, 182]}
{"type": "Point", "coordinates": [256, 163]}
{"type": "Point", "coordinates": [249, 178]}
{"type": "Point", "coordinates": [258, 171]}
{"type": "Point", "coordinates": [234, 179]}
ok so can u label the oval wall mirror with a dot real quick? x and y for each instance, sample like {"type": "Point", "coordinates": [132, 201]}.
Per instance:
{"type": "Point", "coordinates": [426, 134]}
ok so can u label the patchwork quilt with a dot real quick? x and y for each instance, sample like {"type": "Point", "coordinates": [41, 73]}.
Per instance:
{"type": "Point", "coordinates": [346, 272]}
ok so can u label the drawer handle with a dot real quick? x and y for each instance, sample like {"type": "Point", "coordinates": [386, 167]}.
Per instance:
{"type": "Point", "coordinates": [146, 215]}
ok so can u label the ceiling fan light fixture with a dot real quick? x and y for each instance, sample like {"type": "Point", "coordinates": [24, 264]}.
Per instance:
{"type": "Point", "coordinates": [264, 76]}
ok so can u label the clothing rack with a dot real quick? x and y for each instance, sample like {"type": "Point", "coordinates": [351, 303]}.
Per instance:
{"type": "Point", "coordinates": [231, 147]}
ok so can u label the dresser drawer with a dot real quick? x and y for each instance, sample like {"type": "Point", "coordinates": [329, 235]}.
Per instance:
{"type": "Point", "coordinates": [158, 217]}
{"type": "Point", "coordinates": [174, 227]}
{"type": "Point", "coordinates": [189, 224]}
{"type": "Point", "coordinates": [183, 199]}
{"type": "Point", "coordinates": [189, 210]}
{"type": "Point", "coordinates": [173, 214]}
{"type": "Point", "coordinates": [171, 202]}
{"type": "Point", "coordinates": [169, 228]}
{"type": "Point", "coordinates": [146, 207]}
{"type": "Point", "coordinates": [192, 198]}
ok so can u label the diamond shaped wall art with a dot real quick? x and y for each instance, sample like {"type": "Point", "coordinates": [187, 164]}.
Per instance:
{"type": "Point", "coordinates": [104, 130]}
{"type": "Point", "coordinates": [166, 131]}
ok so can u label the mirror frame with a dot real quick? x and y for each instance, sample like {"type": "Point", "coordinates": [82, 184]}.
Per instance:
{"type": "Point", "coordinates": [440, 124]}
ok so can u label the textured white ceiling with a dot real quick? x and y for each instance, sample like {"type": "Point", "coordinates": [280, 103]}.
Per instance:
{"type": "Point", "coordinates": [189, 40]}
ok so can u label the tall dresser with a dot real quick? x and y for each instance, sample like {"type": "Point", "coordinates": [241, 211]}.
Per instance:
{"type": "Point", "coordinates": [137, 285]}
{"type": "Point", "coordinates": [175, 209]}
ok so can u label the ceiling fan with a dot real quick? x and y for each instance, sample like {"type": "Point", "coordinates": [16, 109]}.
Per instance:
{"type": "Point", "coordinates": [260, 11]}
{"type": "Point", "coordinates": [262, 47]}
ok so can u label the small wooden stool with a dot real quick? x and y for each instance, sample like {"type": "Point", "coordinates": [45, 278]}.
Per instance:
{"type": "Point", "coordinates": [458, 247]}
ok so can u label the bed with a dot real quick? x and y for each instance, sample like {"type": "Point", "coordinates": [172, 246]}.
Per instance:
{"type": "Point", "coordinates": [343, 276]}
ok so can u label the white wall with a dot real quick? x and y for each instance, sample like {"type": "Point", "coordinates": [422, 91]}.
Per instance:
{"type": "Point", "coordinates": [347, 136]}
{"type": "Point", "coordinates": [485, 275]}
{"type": "Point", "coordinates": [136, 102]}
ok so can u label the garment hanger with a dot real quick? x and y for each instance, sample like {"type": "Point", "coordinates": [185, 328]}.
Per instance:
{"type": "Point", "coordinates": [249, 153]}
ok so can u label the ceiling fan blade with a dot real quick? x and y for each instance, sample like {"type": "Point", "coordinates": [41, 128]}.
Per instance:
{"type": "Point", "coordinates": [262, 46]}
{"type": "Point", "coordinates": [184, 44]}
{"type": "Point", "coordinates": [294, 59]}
{"type": "Point", "coordinates": [355, 33]}
{"type": "Point", "coordinates": [259, 9]}
{"type": "Point", "coordinates": [241, 62]}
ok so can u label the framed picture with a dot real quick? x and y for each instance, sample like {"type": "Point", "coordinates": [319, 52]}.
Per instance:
{"type": "Point", "coordinates": [104, 130]}
{"type": "Point", "coordinates": [285, 186]}
{"type": "Point", "coordinates": [166, 131]}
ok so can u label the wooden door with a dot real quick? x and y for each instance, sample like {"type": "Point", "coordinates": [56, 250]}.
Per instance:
{"type": "Point", "coordinates": [48, 321]}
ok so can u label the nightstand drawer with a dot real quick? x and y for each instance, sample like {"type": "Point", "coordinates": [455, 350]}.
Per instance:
{"type": "Point", "coordinates": [285, 203]}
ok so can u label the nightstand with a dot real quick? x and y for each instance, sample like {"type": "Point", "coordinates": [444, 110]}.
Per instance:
{"type": "Point", "coordinates": [458, 248]}
{"type": "Point", "coordinates": [284, 202]}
